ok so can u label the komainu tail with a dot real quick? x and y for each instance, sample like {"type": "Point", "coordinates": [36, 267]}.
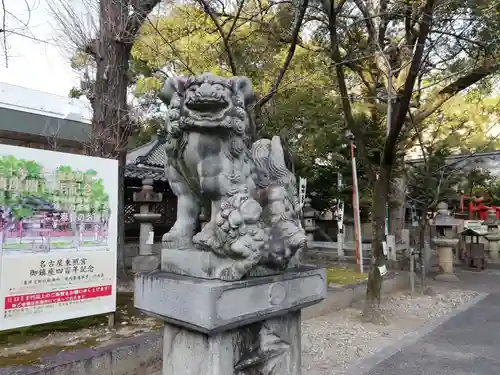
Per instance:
{"type": "Point", "coordinates": [279, 198]}
{"type": "Point", "coordinates": [269, 158]}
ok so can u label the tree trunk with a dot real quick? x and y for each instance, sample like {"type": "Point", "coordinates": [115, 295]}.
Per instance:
{"type": "Point", "coordinates": [397, 207]}
{"type": "Point", "coordinates": [371, 311]}
{"type": "Point", "coordinates": [111, 123]}
{"type": "Point", "coordinates": [421, 234]}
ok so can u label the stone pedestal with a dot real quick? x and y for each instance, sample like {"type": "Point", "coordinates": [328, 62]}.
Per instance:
{"type": "Point", "coordinates": [445, 252]}
{"type": "Point", "coordinates": [446, 239]}
{"type": "Point", "coordinates": [272, 347]}
{"type": "Point", "coordinates": [493, 245]}
{"type": "Point", "coordinates": [244, 327]}
{"type": "Point", "coordinates": [146, 227]}
{"type": "Point", "coordinates": [146, 261]}
{"type": "Point", "coordinates": [493, 235]}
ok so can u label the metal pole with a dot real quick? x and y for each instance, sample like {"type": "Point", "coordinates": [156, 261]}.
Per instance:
{"type": "Point", "coordinates": [357, 219]}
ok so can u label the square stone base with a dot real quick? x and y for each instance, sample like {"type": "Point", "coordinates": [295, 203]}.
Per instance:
{"type": "Point", "coordinates": [272, 347]}
{"type": "Point", "coordinates": [202, 264]}
{"type": "Point", "coordinates": [212, 306]}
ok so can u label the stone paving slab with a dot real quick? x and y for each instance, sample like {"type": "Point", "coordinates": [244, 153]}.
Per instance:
{"type": "Point", "coordinates": [467, 343]}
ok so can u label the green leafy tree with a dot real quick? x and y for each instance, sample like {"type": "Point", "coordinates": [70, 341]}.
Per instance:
{"type": "Point", "coordinates": [431, 181]}
{"type": "Point", "coordinates": [89, 186]}
{"type": "Point", "coordinates": [304, 110]}
{"type": "Point", "coordinates": [13, 192]}
{"type": "Point", "coordinates": [466, 124]}
{"type": "Point", "coordinates": [459, 126]}
{"type": "Point", "coordinates": [413, 56]}
{"type": "Point", "coordinates": [24, 189]}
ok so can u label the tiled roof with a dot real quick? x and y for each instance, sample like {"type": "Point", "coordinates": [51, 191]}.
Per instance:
{"type": "Point", "coordinates": [147, 161]}
{"type": "Point", "coordinates": [154, 157]}
{"type": "Point", "coordinates": [132, 171]}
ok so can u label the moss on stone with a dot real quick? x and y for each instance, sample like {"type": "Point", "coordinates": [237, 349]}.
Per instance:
{"type": "Point", "coordinates": [344, 276]}
{"type": "Point", "coordinates": [33, 356]}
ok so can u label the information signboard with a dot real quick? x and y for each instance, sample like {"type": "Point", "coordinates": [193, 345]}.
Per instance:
{"type": "Point", "coordinates": [58, 238]}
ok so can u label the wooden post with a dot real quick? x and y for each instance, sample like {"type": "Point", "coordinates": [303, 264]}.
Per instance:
{"type": "Point", "coordinates": [412, 272]}
{"type": "Point", "coordinates": [111, 319]}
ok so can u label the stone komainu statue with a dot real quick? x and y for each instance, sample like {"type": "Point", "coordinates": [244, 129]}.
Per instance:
{"type": "Point", "coordinates": [254, 225]}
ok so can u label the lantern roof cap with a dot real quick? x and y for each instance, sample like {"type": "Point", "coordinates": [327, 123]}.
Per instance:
{"type": "Point", "coordinates": [443, 217]}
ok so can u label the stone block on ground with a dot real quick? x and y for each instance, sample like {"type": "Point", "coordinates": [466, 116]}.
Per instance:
{"type": "Point", "coordinates": [145, 263]}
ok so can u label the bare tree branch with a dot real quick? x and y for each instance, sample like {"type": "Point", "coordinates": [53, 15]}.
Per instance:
{"type": "Point", "coordinates": [405, 94]}
{"type": "Point", "coordinates": [333, 12]}
{"type": "Point", "coordinates": [171, 46]}
{"type": "Point", "coordinates": [460, 37]}
{"type": "Point", "coordinates": [225, 38]}
{"type": "Point", "coordinates": [454, 88]}
{"type": "Point", "coordinates": [236, 17]}
{"type": "Point", "coordinates": [141, 10]}
{"type": "Point", "coordinates": [291, 51]}
{"type": "Point", "coordinates": [4, 21]}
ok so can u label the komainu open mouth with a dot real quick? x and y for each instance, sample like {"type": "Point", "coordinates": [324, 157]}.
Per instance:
{"type": "Point", "coordinates": [207, 106]}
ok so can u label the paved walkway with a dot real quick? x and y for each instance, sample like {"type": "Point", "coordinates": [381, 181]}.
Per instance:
{"type": "Point", "coordinates": [467, 343]}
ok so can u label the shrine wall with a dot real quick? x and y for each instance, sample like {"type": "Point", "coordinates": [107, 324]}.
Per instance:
{"type": "Point", "coordinates": [41, 145]}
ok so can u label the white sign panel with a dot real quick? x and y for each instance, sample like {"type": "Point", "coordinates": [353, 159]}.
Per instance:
{"type": "Point", "coordinates": [302, 191]}
{"type": "Point", "coordinates": [58, 238]}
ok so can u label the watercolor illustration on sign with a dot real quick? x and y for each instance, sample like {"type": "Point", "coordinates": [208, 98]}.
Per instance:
{"type": "Point", "coordinates": [46, 209]}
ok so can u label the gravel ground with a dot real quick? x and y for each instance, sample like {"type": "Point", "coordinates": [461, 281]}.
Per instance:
{"type": "Point", "coordinates": [332, 342]}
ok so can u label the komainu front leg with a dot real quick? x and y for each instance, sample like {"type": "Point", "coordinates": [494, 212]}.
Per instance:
{"type": "Point", "coordinates": [181, 234]}
{"type": "Point", "coordinates": [205, 240]}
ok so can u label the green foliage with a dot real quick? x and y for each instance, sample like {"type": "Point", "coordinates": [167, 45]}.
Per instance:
{"type": "Point", "coordinates": [433, 181]}
{"type": "Point", "coordinates": [304, 110]}
{"type": "Point", "coordinates": [90, 186]}
{"type": "Point", "coordinates": [13, 168]}
{"type": "Point", "coordinates": [464, 124]}
{"type": "Point", "coordinates": [75, 92]}
{"type": "Point", "coordinates": [480, 182]}
{"type": "Point", "coordinates": [368, 40]}
{"type": "Point", "coordinates": [22, 179]}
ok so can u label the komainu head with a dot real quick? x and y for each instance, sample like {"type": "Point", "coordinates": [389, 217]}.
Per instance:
{"type": "Point", "coordinates": [202, 103]}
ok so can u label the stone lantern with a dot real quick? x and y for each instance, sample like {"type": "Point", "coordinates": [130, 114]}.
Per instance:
{"type": "Point", "coordinates": [493, 235]}
{"type": "Point", "coordinates": [446, 238]}
{"type": "Point", "coordinates": [146, 261]}
{"type": "Point", "coordinates": [309, 215]}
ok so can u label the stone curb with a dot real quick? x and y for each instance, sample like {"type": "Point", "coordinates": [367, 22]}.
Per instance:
{"type": "Point", "coordinates": [365, 365]}
{"type": "Point", "coordinates": [133, 355]}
